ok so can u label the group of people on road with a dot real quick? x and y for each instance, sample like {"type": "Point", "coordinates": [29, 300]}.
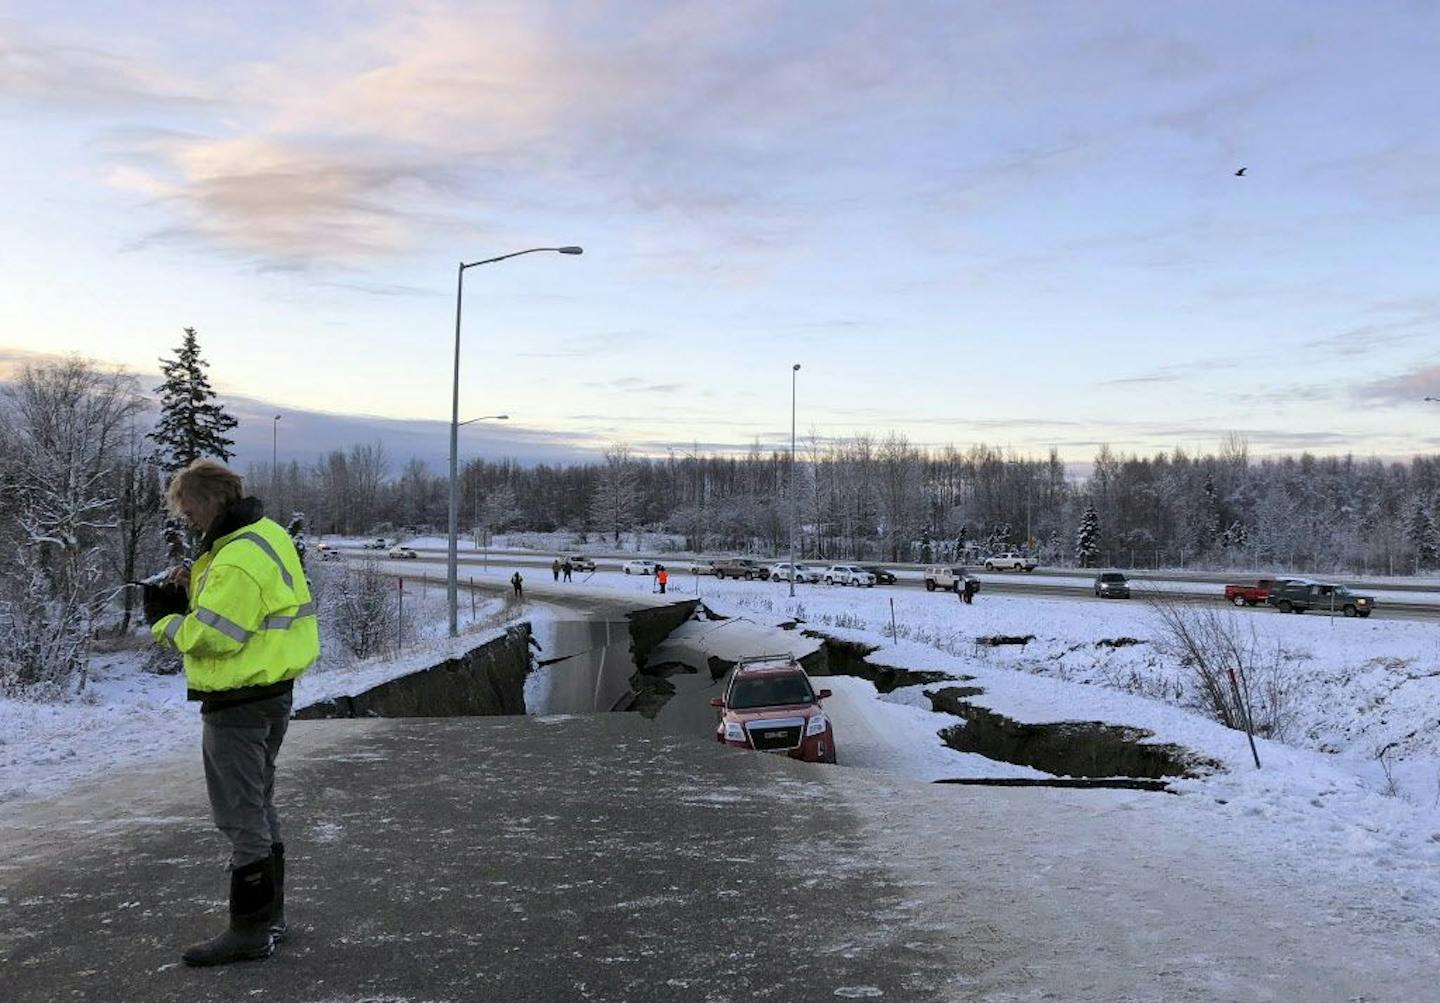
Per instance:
{"type": "Point", "coordinates": [558, 568]}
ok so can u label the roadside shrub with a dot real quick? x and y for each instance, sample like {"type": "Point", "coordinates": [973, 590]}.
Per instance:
{"type": "Point", "coordinates": [1226, 670]}
{"type": "Point", "coordinates": [358, 607]}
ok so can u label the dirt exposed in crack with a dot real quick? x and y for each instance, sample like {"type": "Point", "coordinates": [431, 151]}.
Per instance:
{"type": "Point", "coordinates": [850, 658]}
{"type": "Point", "coordinates": [997, 640]}
{"type": "Point", "coordinates": [653, 688]}
{"type": "Point", "coordinates": [1064, 748]}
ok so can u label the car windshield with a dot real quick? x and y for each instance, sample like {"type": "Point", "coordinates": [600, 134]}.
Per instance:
{"type": "Point", "coordinates": [770, 691]}
{"type": "Point", "coordinates": [1112, 578]}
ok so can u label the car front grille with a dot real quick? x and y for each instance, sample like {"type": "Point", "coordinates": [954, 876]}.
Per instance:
{"type": "Point", "coordinates": [767, 736]}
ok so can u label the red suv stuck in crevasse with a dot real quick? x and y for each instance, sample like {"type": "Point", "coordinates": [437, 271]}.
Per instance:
{"type": "Point", "coordinates": [769, 705]}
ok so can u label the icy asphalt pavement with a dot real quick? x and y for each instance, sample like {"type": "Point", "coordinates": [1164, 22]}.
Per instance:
{"type": "Point", "coordinates": [603, 858]}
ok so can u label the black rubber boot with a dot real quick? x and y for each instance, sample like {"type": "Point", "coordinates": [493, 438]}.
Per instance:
{"type": "Point", "coordinates": [247, 938]}
{"type": "Point", "coordinates": [278, 927]}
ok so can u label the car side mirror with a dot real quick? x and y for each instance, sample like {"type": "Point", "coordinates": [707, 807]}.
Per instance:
{"type": "Point", "coordinates": [822, 694]}
{"type": "Point", "coordinates": [717, 702]}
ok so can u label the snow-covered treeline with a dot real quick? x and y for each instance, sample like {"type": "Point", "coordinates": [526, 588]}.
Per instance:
{"type": "Point", "coordinates": [883, 498]}
{"type": "Point", "coordinates": [80, 502]}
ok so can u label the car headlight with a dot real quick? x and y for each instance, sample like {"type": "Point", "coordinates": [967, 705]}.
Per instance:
{"type": "Point", "coordinates": [1361, 602]}
{"type": "Point", "coordinates": [816, 725]}
{"type": "Point", "coordinates": [734, 731]}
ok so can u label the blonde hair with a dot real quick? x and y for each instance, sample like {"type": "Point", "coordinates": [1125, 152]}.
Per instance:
{"type": "Point", "coordinates": [204, 484]}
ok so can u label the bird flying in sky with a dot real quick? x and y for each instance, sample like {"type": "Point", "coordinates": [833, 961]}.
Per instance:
{"type": "Point", "coordinates": [1240, 173]}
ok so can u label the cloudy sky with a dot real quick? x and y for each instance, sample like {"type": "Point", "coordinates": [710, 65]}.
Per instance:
{"type": "Point", "coordinates": [1014, 223]}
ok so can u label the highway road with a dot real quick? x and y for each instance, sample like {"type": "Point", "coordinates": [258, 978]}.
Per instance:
{"type": "Point", "coordinates": [1418, 603]}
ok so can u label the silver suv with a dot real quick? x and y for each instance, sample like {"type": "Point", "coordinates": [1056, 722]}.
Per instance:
{"type": "Point", "coordinates": [951, 578]}
{"type": "Point", "coordinates": [848, 574]}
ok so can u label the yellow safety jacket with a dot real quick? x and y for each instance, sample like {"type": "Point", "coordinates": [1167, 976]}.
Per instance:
{"type": "Point", "coordinates": [251, 620]}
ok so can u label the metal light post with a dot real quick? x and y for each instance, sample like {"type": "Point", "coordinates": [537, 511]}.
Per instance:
{"type": "Point", "coordinates": [452, 568]}
{"type": "Point", "coordinates": [793, 371]}
{"type": "Point", "coordinates": [274, 474]}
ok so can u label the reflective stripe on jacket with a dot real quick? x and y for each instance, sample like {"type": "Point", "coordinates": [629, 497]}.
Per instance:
{"type": "Point", "coordinates": [251, 618]}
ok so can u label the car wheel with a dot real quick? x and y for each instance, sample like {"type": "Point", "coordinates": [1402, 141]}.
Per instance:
{"type": "Point", "coordinates": [989, 566]}
{"type": "Point", "coordinates": [929, 585]}
{"type": "Point", "coordinates": [1239, 601]}
{"type": "Point", "coordinates": [829, 580]}
{"type": "Point", "coordinates": [1349, 611]}
{"type": "Point", "coordinates": [1285, 606]}
{"type": "Point", "coordinates": [869, 585]}
{"type": "Point", "coordinates": [626, 570]}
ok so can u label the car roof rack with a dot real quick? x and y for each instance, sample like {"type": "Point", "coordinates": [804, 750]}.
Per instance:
{"type": "Point", "coordinates": [775, 657]}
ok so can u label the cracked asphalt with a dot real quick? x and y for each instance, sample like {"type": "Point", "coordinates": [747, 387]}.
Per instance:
{"type": "Point", "coordinates": [591, 858]}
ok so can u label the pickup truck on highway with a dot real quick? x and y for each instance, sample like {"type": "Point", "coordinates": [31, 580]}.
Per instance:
{"type": "Point", "coordinates": [1252, 595]}
{"type": "Point", "coordinates": [1010, 561]}
{"type": "Point", "coordinates": [738, 567]}
{"type": "Point", "coordinates": [1299, 596]}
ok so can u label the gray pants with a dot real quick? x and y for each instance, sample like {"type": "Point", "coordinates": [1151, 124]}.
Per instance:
{"type": "Point", "coordinates": [240, 746]}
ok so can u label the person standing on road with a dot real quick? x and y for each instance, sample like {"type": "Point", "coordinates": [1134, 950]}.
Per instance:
{"type": "Point", "coordinates": [972, 585]}
{"type": "Point", "coordinates": [247, 630]}
{"type": "Point", "coordinates": [555, 569]}
{"type": "Point", "coordinates": [567, 567]}
{"type": "Point", "coordinates": [662, 577]}
{"type": "Point", "coordinates": [518, 584]}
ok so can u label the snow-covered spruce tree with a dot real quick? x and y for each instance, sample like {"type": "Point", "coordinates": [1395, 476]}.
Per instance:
{"type": "Point", "coordinates": [1087, 539]}
{"type": "Point", "coordinates": [296, 528]}
{"type": "Point", "coordinates": [192, 423]}
{"type": "Point", "coordinates": [64, 424]}
{"type": "Point", "coordinates": [1424, 539]}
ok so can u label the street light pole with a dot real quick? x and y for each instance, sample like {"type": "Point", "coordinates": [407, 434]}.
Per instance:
{"type": "Point", "coordinates": [274, 475]}
{"type": "Point", "coordinates": [793, 371]}
{"type": "Point", "coordinates": [452, 560]}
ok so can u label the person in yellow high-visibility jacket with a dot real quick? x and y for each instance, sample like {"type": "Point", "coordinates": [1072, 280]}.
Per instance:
{"type": "Point", "coordinates": [248, 630]}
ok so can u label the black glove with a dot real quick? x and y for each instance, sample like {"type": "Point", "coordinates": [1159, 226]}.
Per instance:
{"type": "Point", "coordinates": [162, 600]}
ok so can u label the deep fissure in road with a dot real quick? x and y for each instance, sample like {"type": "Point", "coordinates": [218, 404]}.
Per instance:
{"type": "Point", "coordinates": [577, 665]}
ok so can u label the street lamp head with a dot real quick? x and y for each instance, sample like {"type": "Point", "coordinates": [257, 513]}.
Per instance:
{"type": "Point", "coordinates": [571, 250]}
{"type": "Point", "coordinates": [796, 367]}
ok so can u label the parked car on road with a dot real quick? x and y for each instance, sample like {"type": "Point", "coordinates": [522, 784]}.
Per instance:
{"type": "Point", "coordinates": [1111, 585]}
{"type": "Point", "coordinates": [1252, 595]}
{"type": "Point", "coordinates": [848, 574]}
{"type": "Point", "coordinates": [1297, 596]}
{"type": "Point", "coordinates": [738, 567]}
{"type": "Point", "coordinates": [327, 552]}
{"type": "Point", "coordinates": [700, 567]}
{"type": "Point", "coordinates": [403, 553]}
{"type": "Point", "coordinates": [883, 576]}
{"type": "Point", "coordinates": [803, 573]}
{"type": "Point", "coordinates": [951, 577]}
{"type": "Point", "coordinates": [770, 706]}
{"type": "Point", "coordinates": [638, 567]}
{"type": "Point", "coordinates": [376, 544]}
{"type": "Point", "coordinates": [1010, 561]}
{"type": "Point", "coordinates": [578, 562]}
